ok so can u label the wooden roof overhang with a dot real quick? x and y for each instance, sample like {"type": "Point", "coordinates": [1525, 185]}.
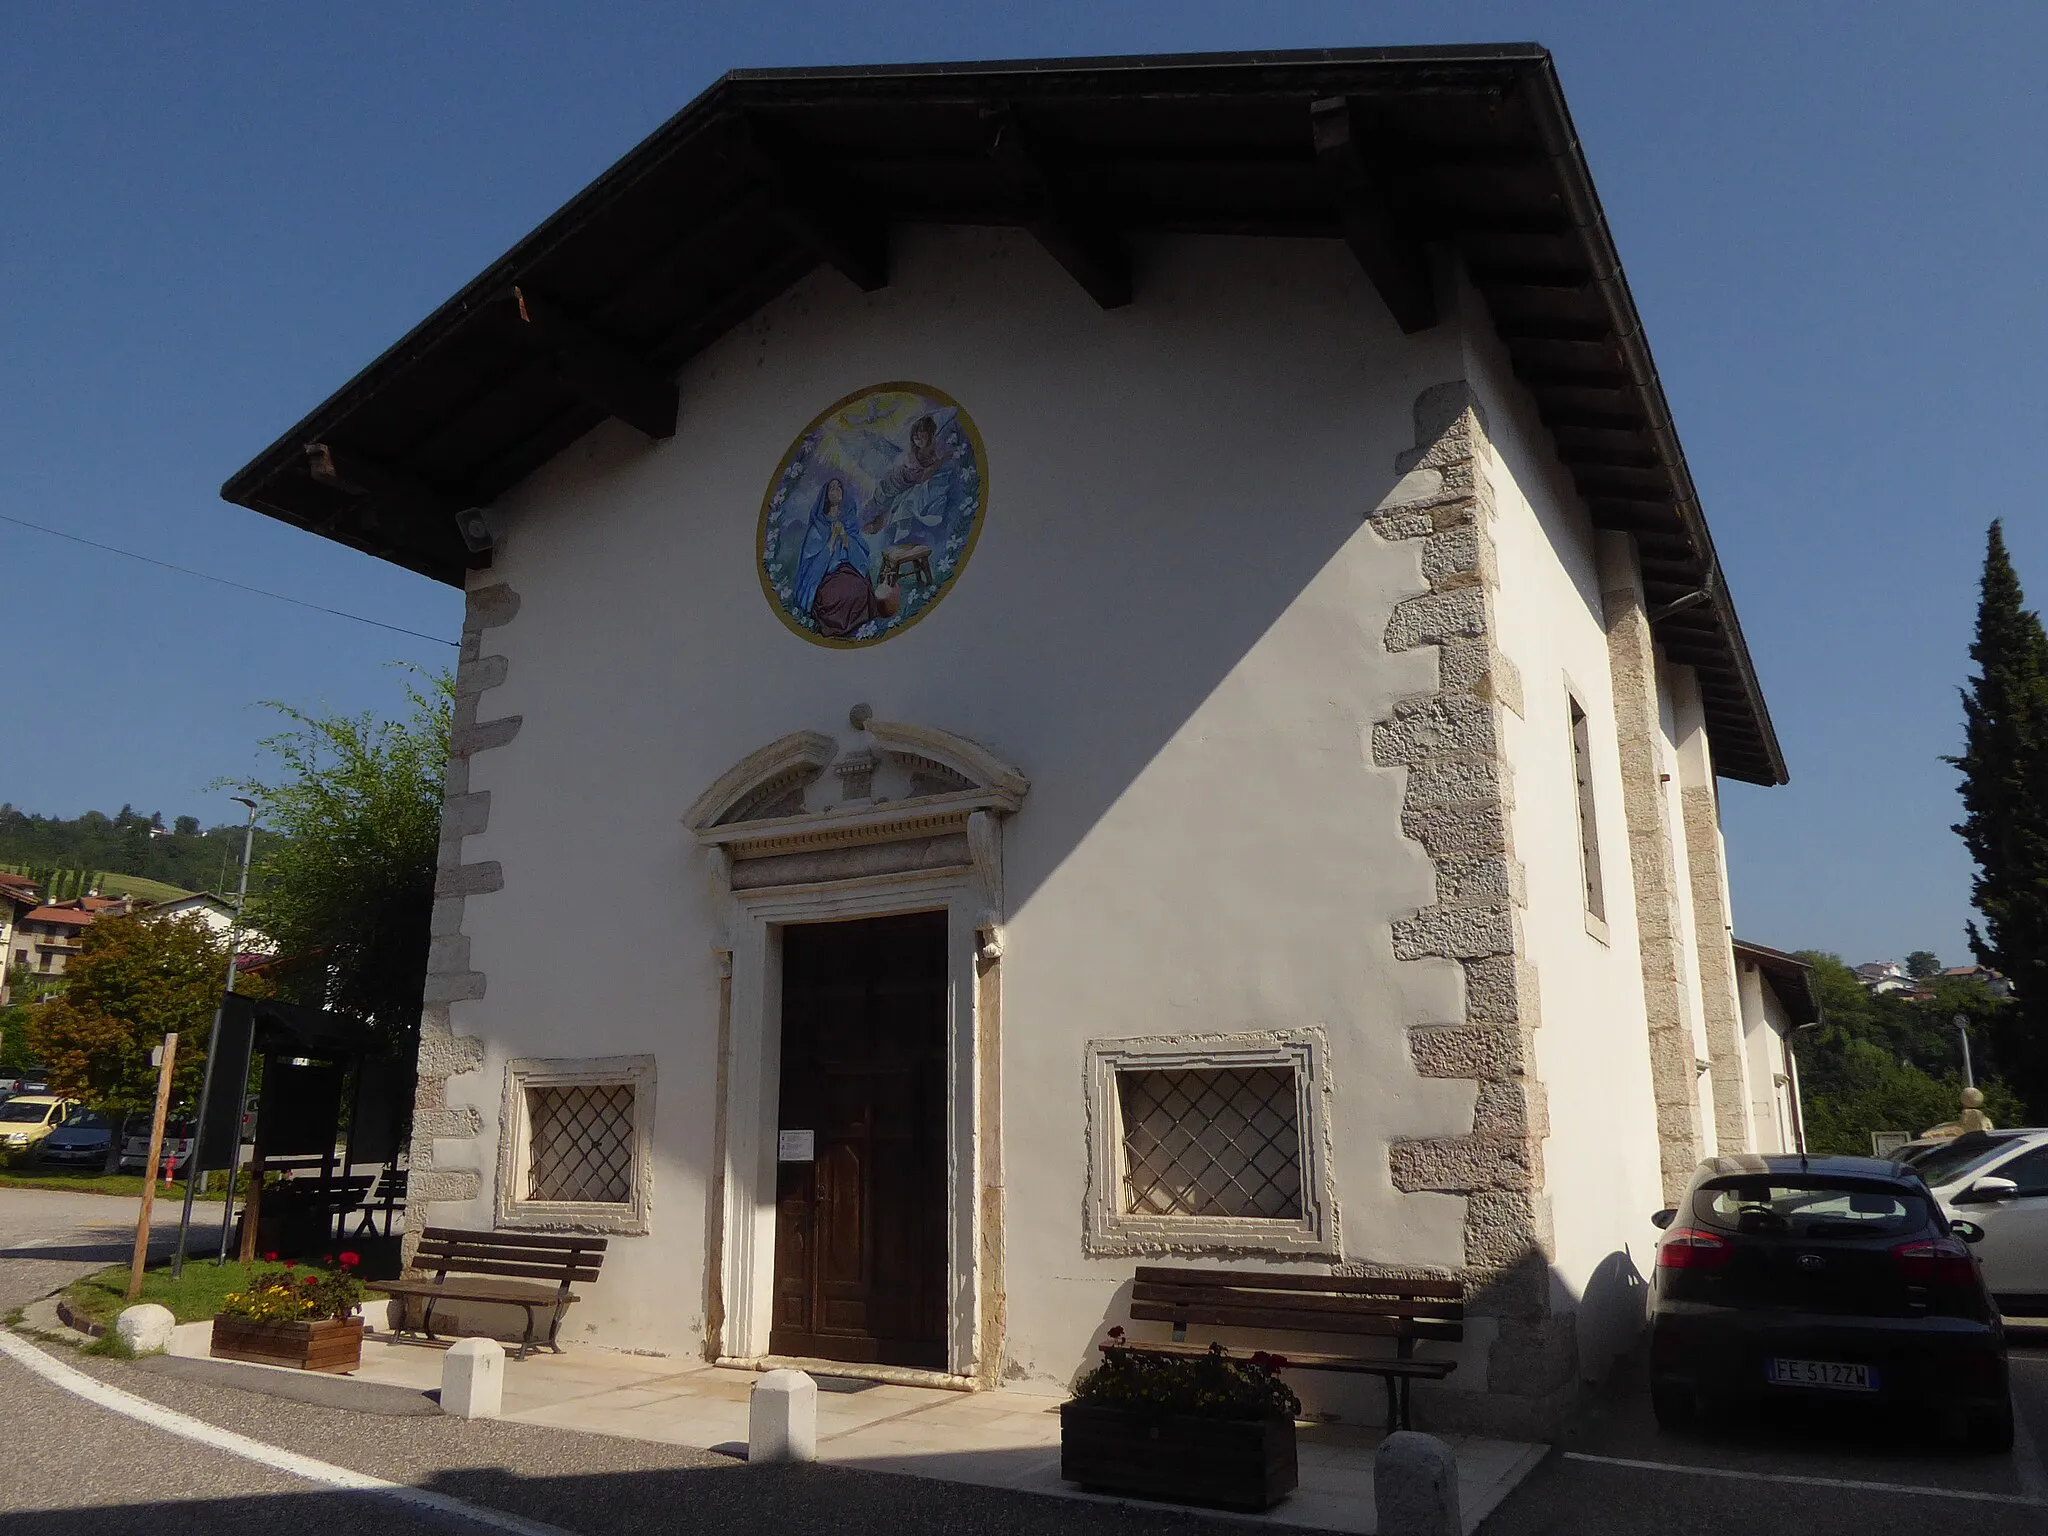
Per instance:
{"type": "Point", "coordinates": [769, 174]}
{"type": "Point", "coordinates": [1789, 976]}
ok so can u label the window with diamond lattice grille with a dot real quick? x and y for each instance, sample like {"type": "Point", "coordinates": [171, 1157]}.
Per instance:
{"type": "Point", "coordinates": [580, 1143]}
{"type": "Point", "coordinates": [1211, 1142]}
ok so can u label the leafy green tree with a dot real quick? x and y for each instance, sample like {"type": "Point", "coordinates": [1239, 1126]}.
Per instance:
{"type": "Point", "coordinates": [1923, 963]}
{"type": "Point", "coordinates": [1886, 1063]}
{"type": "Point", "coordinates": [2004, 765]}
{"type": "Point", "coordinates": [349, 890]}
{"type": "Point", "coordinates": [185, 826]}
{"type": "Point", "coordinates": [135, 979]}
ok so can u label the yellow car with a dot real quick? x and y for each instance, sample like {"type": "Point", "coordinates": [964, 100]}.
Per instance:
{"type": "Point", "coordinates": [26, 1120]}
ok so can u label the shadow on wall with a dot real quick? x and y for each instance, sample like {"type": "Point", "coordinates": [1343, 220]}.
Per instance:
{"type": "Point", "coordinates": [1530, 1355]}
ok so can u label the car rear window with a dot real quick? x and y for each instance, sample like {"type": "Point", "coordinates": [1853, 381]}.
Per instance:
{"type": "Point", "coordinates": [1797, 1207]}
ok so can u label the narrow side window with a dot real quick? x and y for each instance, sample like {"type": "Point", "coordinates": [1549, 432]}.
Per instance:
{"type": "Point", "coordinates": [1589, 825]}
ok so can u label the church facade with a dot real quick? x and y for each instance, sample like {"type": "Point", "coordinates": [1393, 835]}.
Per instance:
{"type": "Point", "coordinates": [1063, 666]}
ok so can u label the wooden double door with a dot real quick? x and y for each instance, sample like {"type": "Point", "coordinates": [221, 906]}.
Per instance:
{"type": "Point", "coordinates": [860, 1232]}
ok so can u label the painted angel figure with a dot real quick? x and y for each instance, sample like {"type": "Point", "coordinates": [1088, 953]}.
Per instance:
{"type": "Point", "coordinates": [914, 485]}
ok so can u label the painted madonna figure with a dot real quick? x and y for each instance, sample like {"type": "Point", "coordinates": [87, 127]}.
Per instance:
{"type": "Point", "coordinates": [871, 514]}
{"type": "Point", "coordinates": [835, 570]}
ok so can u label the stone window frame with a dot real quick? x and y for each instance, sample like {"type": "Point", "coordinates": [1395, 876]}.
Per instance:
{"type": "Point", "coordinates": [628, 1218]}
{"type": "Point", "coordinates": [1110, 1232]}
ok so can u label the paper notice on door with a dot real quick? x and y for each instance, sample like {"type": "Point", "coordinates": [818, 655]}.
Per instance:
{"type": "Point", "coordinates": [796, 1147]}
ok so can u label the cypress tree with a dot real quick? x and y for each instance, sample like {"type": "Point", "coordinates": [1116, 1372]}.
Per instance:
{"type": "Point", "coordinates": [2005, 806]}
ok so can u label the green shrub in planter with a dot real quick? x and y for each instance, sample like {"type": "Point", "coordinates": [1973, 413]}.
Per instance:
{"type": "Point", "coordinates": [1197, 1429]}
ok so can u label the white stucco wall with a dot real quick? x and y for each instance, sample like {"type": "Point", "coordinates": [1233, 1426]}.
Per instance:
{"type": "Point", "coordinates": [1600, 1161]}
{"type": "Point", "coordinates": [1172, 622]}
{"type": "Point", "coordinates": [1766, 1026]}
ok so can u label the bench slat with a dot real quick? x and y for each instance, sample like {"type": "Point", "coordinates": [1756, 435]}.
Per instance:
{"type": "Point", "coordinates": [464, 1288]}
{"type": "Point", "coordinates": [1350, 1285]}
{"type": "Point", "coordinates": [1293, 1321]}
{"type": "Point", "coordinates": [1228, 1295]}
{"type": "Point", "coordinates": [560, 1274]}
{"type": "Point", "coordinates": [512, 1239]}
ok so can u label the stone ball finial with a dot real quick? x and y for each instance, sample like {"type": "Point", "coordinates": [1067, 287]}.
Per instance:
{"type": "Point", "coordinates": [1973, 1098]}
{"type": "Point", "coordinates": [859, 716]}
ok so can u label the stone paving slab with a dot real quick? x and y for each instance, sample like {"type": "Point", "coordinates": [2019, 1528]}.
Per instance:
{"type": "Point", "coordinates": [999, 1439]}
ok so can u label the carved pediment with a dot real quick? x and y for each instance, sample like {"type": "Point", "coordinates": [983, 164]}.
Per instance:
{"type": "Point", "coordinates": [769, 782]}
{"type": "Point", "coordinates": [893, 781]}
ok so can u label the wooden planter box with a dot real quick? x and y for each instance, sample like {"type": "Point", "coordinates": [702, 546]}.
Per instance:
{"type": "Point", "coordinates": [326, 1345]}
{"type": "Point", "coordinates": [1232, 1463]}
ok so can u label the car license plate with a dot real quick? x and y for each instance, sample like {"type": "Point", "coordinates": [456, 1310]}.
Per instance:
{"type": "Point", "coordinates": [1832, 1374]}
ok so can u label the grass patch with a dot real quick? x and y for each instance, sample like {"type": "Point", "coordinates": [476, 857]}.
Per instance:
{"type": "Point", "coordinates": [193, 1297]}
{"type": "Point", "coordinates": [96, 1183]}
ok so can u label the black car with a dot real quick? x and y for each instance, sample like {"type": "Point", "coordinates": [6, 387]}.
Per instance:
{"type": "Point", "coordinates": [1788, 1277]}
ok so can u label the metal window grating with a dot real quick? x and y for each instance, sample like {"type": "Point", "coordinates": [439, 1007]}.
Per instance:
{"type": "Point", "coordinates": [581, 1143]}
{"type": "Point", "coordinates": [1222, 1141]}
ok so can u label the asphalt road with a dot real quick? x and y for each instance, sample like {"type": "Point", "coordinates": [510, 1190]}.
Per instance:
{"type": "Point", "coordinates": [49, 1238]}
{"type": "Point", "coordinates": [1808, 1472]}
{"type": "Point", "coordinates": [72, 1468]}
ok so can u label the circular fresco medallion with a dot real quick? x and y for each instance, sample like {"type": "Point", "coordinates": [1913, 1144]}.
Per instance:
{"type": "Point", "coordinates": [872, 514]}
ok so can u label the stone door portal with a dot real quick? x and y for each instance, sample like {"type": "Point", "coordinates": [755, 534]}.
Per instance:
{"type": "Point", "coordinates": [861, 1210]}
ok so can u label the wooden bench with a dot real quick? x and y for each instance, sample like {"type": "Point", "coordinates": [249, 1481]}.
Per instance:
{"type": "Point", "coordinates": [499, 1267]}
{"type": "Point", "coordinates": [386, 1196]}
{"type": "Point", "coordinates": [1401, 1310]}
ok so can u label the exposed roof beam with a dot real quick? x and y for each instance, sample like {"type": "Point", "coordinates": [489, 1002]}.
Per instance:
{"type": "Point", "coordinates": [852, 241]}
{"type": "Point", "coordinates": [388, 500]}
{"type": "Point", "coordinates": [1526, 328]}
{"type": "Point", "coordinates": [1595, 420]}
{"type": "Point", "coordinates": [1081, 239]}
{"type": "Point", "coordinates": [1370, 209]}
{"type": "Point", "coordinates": [609, 376]}
{"type": "Point", "coordinates": [1540, 376]}
{"type": "Point", "coordinates": [1563, 279]}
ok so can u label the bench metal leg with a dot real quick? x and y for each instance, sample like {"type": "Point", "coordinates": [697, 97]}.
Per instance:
{"type": "Point", "coordinates": [526, 1340]}
{"type": "Point", "coordinates": [427, 1319]}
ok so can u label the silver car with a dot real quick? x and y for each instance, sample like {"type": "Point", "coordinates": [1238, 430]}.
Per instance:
{"type": "Point", "coordinates": [1999, 1180]}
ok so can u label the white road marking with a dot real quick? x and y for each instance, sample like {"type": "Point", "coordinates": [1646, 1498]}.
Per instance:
{"type": "Point", "coordinates": [169, 1420]}
{"type": "Point", "coordinates": [2025, 1500]}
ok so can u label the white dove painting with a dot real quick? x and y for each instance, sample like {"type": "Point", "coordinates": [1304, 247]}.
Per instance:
{"type": "Point", "coordinates": [872, 513]}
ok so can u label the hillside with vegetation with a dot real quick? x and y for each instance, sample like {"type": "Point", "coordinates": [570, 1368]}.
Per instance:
{"type": "Point", "coordinates": [1893, 1062]}
{"type": "Point", "coordinates": [129, 853]}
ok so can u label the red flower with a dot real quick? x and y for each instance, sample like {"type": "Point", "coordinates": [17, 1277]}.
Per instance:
{"type": "Point", "coordinates": [288, 1264]}
{"type": "Point", "coordinates": [270, 1258]}
{"type": "Point", "coordinates": [350, 1260]}
{"type": "Point", "coordinates": [311, 1280]}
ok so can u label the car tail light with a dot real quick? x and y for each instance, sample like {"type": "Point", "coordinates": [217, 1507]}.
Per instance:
{"type": "Point", "coordinates": [1935, 1261]}
{"type": "Point", "coordinates": [1690, 1248]}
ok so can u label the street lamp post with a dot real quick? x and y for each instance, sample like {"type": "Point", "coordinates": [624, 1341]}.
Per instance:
{"type": "Point", "coordinates": [192, 1172]}
{"type": "Point", "coordinates": [1962, 1024]}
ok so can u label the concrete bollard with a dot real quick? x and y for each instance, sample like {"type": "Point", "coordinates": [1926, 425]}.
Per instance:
{"type": "Point", "coordinates": [1415, 1486]}
{"type": "Point", "coordinates": [782, 1418]}
{"type": "Point", "coordinates": [473, 1379]}
{"type": "Point", "coordinates": [145, 1328]}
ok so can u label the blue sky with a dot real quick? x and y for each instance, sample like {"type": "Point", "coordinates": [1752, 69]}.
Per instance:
{"type": "Point", "coordinates": [1832, 216]}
